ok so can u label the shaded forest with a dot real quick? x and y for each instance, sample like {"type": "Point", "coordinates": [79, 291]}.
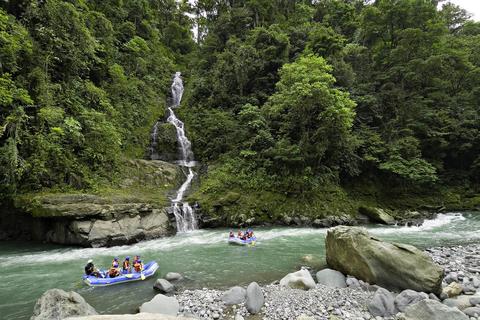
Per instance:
{"type": "Point", "coordinates": [285, 100]}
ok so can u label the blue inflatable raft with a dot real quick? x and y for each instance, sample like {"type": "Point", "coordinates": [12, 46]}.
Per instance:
{"type": "Point", "coordinates": [239, 242]}
{"type": "Point", "coordinates": [148, 271]}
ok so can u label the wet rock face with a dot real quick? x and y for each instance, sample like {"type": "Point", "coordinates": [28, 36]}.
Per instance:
{"type": "Point", "coordinates": [353, 251]}
{"type": "Point", "coordinates": [143, 225]}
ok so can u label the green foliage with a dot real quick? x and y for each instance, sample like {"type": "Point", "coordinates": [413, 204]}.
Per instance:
{"type": "Point", "coordinates": [282, 97]}
{"type": "Point", "coordinates": [81, 83]}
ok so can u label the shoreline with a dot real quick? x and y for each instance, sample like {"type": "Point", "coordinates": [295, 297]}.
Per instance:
{"type": "Point", "coordinates": [323, 302]}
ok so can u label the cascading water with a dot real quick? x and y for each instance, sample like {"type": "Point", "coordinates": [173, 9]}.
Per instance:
{"type": "Point", "coordinates": [184, 214]}
{"type": "Point", "coordinates": [154, 142]}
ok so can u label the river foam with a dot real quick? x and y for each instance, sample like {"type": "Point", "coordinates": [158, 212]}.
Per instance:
{"type": "Point", "coordinates": [439, 227]}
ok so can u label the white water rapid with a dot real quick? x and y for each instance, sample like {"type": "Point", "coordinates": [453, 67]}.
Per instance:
{"type": "Point", "coordinates": [184, 214]}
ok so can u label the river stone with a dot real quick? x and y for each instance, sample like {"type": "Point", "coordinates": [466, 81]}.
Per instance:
{"type": "Point", "coordinates": [161, 304]}
{"type": "Point", "coordinates": [382, 303]}
{"type": "Point", "coordinates": [352, 251]}
{"type": "Point", "coordinates": [408, 297]}
{"type": "Point", "coordinates": [163, 286]}
{"type": "Point", "coordinates": [377, 215]}
{"type": "Point", "coordinates": [331, 278]}
{"type": "Point", "coordinates": [173, 276]}
{"type": "Point", "coordinates": [138, 316]}
{"type": "Point", "coordinates": [352, 282]}
{"type": "Point", "coordinates": [472, 312]}
{"type": "Point", "coordinates": [460, 302]}
{"type": "Point", "coordinates": [255, 298]}
{"type": "Point", "coordinates": [58, 304]}
{"type": "Point", "coordinates": [475, 300]}
{"type": "Point", "coordinates": [301, 279]}
{"type": "Point", "coordinates": [235, 295]}
{"type": "Point", "coordinates": [453, 289]}
{"type": "Point", "coordinates": [432, 310]}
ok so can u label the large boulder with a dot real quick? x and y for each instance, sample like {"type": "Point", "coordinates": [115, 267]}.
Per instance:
{"type": "Point", "coordinates": [301, 279]}
{"type": "Point", "coordinates": [163, 286]}
{"type": "Point", "coordinates": [352, 251]}
{"type": "Point", "coordinates": [331, 278]}
{"type": "Point", "coordinates": [161, 304]}
{"type": "Point", "coordinates": [408, 297]}
{"type": "Point", "coordinates": [382, 303]}
{"type": "Point", "coordinates": [58, 304]}
{"type": "Point", "coordinates": [377, 215]}
{"type": "Point", "coordinates": [432, 310]}
{"type": "Point", "coordinates": [255, 298]}
{"type": "Point", "coordinates": [235, 295]}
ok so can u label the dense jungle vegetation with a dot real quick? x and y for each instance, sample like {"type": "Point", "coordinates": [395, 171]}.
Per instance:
{"type": "Point", "coordinates": [292, 105]}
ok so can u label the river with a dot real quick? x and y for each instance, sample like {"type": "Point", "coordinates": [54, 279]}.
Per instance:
{"type": "Point", "coordinates": [203, 256]}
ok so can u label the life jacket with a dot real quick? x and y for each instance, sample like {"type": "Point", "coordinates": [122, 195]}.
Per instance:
{"type": "Point", "coordinates": [137, 266]}
{"type": "Point", "coordinates": [115, 264]}
{"type": "Point", "coordinates": [126, 265]}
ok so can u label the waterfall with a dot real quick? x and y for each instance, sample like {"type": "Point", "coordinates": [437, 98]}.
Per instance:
{"type": "Point", "coordinates": [184, 214]}
{"type": "Point", "coordinates": [154, 142]}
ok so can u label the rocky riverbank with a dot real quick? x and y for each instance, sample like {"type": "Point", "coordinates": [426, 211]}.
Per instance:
{"type": "Point", "coordinates": [352, 302]}
{"type": "Point", "coordinates": [332, 296]}
{"type": "Point", "coordinates": [135, 208]}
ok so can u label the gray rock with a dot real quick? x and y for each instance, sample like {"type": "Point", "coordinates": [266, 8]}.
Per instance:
{"type": "Point", "coordinates": [460, 302]}
{"type": "Point", "coordinates": [58, 304]}
{"type": "Point", "coordinates": [353, 251]}
{"type": "Point", "coordinates": [382, 303]}
{"type": "Point", "coordinates": [238, 317]}
{"type": "Point", "coordinates": [331, 278]}
{"type": "Point", "coordinates": [163, 286]}
{"type": "Point", "coordinates": [352, 282]}
{"type": "Point", "coordinates": [432, 310]}
{"type": "Point", "coordinates": [235, 295]}
{"type": "Point", "coordinates": [475, 300]}
{"type": "Point", "coordinates": [451, 277]}
{"type": "Point", "coordinates": [469, 288]}
{"type": "Point", "coordinates": [433, 297]}
{"type": "Point", "coordinates": [476, 282]}
{"type": "Point", "coordinates": [255, 298]}
{"type": "Point", "coordinates": [472, 312]}
{"type": "Point", "coordinates": [408, 297]}
{"type": "Point", "coordinates": [161, 304]}
{"type": "Point", "coordinates": [301, 279]}
{"type": "Point", "coordinates": [138, 316]}
{"type": "Point", "coordinates": [173, 276]}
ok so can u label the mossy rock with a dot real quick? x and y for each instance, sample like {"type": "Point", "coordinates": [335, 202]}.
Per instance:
{"type": "Point", "coordinates": [377, 215]}
{"type": "Point", "coordinates": [167, 146]}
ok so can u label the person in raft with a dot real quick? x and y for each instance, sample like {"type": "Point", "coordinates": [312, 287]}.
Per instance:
{"type": "Point", "coordinates": [137, 264]}
{"type": "Point", "coordinates": [90, 269]}
{"type": "Point", "coordinates": [231, 235]}
{"type": "Point", "coordinates": [126, 265]}
{"type": "Point", "coordinates": [114, 270]}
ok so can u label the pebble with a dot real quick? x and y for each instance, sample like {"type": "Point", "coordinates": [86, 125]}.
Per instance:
{"type": "Point", "coordinates": [324, 303]}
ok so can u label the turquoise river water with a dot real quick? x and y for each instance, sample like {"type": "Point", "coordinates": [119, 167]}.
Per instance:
{"type": "Point", "coordinates": [203, 257]}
